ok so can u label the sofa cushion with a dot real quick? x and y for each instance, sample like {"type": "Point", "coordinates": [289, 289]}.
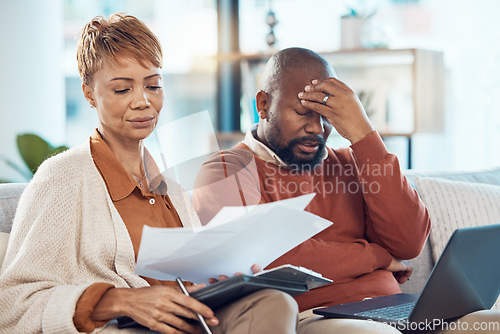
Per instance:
{"type": "Point", "coordinates": [457, 204]}
{"type": "Point", "coordinates": [9, 197]}
{"type": "Point", "coordinates": [424, 263]}
{"type": "Point", "coordinates": [422, 267]}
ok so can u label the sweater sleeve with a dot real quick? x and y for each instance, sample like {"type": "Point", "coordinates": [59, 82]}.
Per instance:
{"type": "Point", "coordinates": [342, 267]}
{"type": "Point", "coordinates": [34, 279]}
{"type": "Point", "coordinates": [396, 218]}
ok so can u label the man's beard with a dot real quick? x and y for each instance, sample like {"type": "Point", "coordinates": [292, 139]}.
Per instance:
{"type": "Point", "coordinates": [286, 153]}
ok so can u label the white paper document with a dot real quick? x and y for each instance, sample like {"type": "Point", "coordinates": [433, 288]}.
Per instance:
{"type": "Point", "coordinates": [232, 242]}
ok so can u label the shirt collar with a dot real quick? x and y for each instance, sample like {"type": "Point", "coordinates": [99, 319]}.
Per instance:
{"type": "Point", "coordinates": [263, 152]}
{"type": "Point", "coordinates": [119, 181]}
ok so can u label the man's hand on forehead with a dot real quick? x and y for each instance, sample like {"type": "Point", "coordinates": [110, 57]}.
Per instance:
{"type": "Point", "coordinates": [340, 105]}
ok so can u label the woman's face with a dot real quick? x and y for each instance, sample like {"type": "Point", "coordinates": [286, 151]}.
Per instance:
{"type": "Point", "coordinates": [128, 98]}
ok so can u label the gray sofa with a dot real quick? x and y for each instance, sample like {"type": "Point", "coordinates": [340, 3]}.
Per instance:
{"type": "Point", "coordinates": [423, 264]}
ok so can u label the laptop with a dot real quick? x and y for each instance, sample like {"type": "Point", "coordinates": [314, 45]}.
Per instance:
{"type": "Point", "coordinates": [466, 278]}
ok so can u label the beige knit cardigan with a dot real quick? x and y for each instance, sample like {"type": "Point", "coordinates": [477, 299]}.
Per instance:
{"type": "Point", "coordinates": [67, 235]}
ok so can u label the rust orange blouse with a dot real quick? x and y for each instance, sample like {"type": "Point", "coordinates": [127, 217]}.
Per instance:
{"type": "Point", "coordinates": [137, 206]}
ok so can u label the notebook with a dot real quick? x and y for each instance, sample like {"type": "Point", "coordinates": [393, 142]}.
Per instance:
{"type": "Point", "coordinates": [466, 278]}
{"type": "Point", "coordinates": [287, 278]}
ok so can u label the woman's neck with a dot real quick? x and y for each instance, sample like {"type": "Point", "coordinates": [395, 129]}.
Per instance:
{"type": "Point", "coordinates": [130, 153]}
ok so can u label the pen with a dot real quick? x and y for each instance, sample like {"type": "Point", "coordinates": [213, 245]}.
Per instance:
{"type": "Point", "coordinates": [200, 318]}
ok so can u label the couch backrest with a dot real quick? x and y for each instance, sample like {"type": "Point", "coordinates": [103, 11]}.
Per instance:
{"type": "Point", "coordinates": [9, 197]}
{"type": "Point", "coordinates": [488, 176]}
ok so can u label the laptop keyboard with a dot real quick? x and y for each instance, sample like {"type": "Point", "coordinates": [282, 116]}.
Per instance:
{"type": "Point", "coordinates": [395, 313]}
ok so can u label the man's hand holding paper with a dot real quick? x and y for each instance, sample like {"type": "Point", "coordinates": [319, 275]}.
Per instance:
{"type": "Point", "coordinates": [255, 269]}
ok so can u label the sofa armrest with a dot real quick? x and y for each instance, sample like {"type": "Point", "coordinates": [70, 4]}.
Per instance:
{"type": "Point", "coordinates": [4, 240]}
{"type": "Point", "coordinates": [9, 197]}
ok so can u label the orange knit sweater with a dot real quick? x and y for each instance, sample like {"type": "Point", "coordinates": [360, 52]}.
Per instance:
{"type": "Point", "coordinates": [375, 214]}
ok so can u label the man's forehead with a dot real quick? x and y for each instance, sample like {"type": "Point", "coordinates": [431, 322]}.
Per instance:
{"type": "Point", "coordinates": [296, 79]}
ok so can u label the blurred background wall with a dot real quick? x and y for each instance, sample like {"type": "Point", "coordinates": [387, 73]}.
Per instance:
{"type": "Point", "coordinates": [41, 90]}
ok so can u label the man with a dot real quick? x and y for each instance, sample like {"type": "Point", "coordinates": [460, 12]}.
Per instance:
{"type": "Point", "coordinates": [378, 219]}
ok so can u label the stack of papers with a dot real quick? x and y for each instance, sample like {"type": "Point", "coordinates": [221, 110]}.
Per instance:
{"type": "Point", "coordinates": [232, 242]}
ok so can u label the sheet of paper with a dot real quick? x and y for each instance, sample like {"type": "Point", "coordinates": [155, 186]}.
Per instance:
{"type": "Point", "coordinates": [229, 213]}
{"type": "Point", "coordinates": [260, 236]}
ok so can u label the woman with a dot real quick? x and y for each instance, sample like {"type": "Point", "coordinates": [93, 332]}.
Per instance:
{"type": "Point", "coordinates": [70, 262]}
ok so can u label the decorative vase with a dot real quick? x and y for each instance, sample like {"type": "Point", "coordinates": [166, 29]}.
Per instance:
{"type": "Point", "coordinates": [351, 29]}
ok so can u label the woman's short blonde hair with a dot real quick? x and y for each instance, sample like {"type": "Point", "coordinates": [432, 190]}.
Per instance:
{"type": "Point", "coordinates": [104, 40]}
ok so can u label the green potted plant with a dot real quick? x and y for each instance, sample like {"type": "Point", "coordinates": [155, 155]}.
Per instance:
{"type": "Point", "coordinates": [33, 150]}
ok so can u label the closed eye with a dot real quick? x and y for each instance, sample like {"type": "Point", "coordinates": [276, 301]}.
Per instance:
{"type": "Point", "coordinates": [301, 114]}
{"type": "Point", "coordinates": [154, 87]}
{"type": "Point", "coordinates": [121, 91]}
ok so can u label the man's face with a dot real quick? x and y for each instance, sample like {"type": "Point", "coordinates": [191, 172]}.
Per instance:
{"type": "Point", "coordinates": [295, 133]}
